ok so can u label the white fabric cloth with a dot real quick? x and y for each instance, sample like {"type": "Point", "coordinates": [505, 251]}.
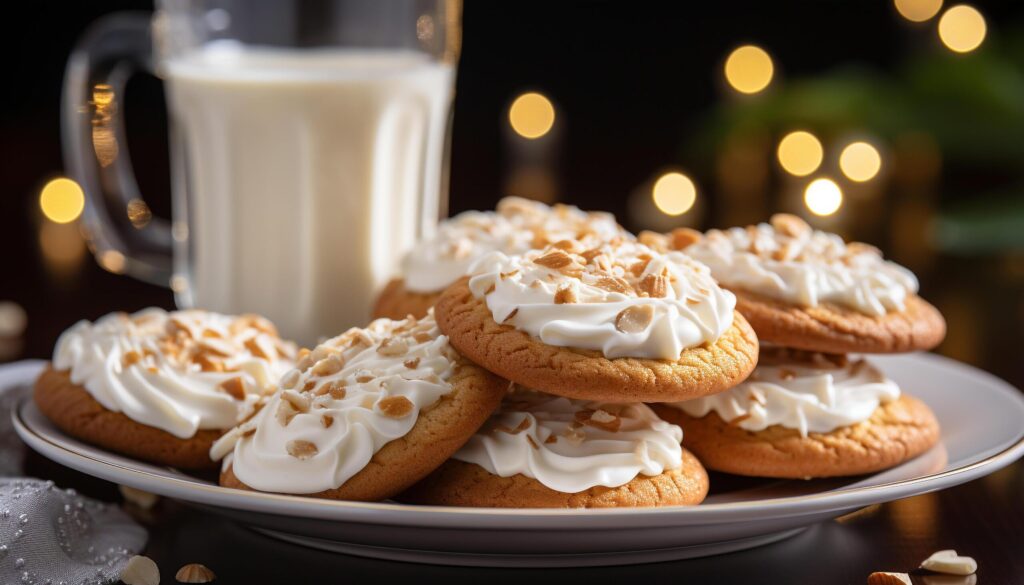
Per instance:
{"type": "Point", "coordinates": [49, 535]}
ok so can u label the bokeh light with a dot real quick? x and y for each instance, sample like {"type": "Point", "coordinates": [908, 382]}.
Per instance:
{"type": "Point", "coordinates": [749, 69]}
{"type": "Point", "coordinates": [962, 28]}
{"type": "Point", "coordinates": [823, 197]}
{"type": "Point", "coordinates": [532, 115]}
{"type": "Point", "coordinates": [918, 10]}
{"type": "Point", "coordinates": [800, 153]}
{"type": "Point", "coordinates": [674, 193]}
{"type": "Point", "coordinates": [62, 200]}
{"type": "Point", "coordinates": [860, 161]}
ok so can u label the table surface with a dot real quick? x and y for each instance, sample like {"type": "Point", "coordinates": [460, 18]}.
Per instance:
{"type": "Point", "coordinates": [983, 519]}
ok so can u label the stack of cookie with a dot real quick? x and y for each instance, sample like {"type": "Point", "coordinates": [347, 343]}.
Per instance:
{"type": "Point", "coordinates": [534, 356]}
{"type": "Point", "coordinates": [810, 409]}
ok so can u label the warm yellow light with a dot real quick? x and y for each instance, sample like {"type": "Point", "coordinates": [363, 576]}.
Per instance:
{"type": "Point", "coordinates": [674, 193]}
{"type": "Point", "coordinates": [112, 261]}
{"type": "Point", "coordinates": [962, 28]}
{"type": "Point", "coordinates": [860, 161]}
{"type": "Point", "coordinates": [532, 115]}
{"type": "Point", "coordinates": [800, 153]}
{"type": "Point", "coordinates": [823, 197]}
{"type": "Point", "coordinates": [749, 69]}
{"type": "Point", "coordinates": [918, 10]}
{"type": "Point", "coordinates": [62, 200]}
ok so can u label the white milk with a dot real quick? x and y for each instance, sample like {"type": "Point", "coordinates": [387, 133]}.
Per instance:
{"type": "Point", "coordinates": [308, 173]}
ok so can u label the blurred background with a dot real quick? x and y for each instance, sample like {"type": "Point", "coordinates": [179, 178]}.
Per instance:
{"type": "Point", "coordinates": [899, 123]}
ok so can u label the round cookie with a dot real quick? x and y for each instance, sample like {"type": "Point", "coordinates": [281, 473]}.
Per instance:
{"type": "Point", "coordinates": [833, 328]}
{"type": "Point", "coordinates": [398, 302]}
{"type": "Point", "coordinates": [806, 415]}
{"type": "Point", "coordinates": [77, 413]}
{"type": "Point", "coordinates": [542, 451]}
{"type": "Point", "coordinates": [516, 226]}
{"type": "Point", "coordinates": [595, 331]}
{"type": "Point", "coordinates": [811, 290]}
{"type": "Point", "coordinates": [366, 415]}
{"type": "Point", "coordinates": [160, 386]}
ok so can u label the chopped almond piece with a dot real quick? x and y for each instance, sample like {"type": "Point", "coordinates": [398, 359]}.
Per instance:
{"type": "Point", "coordinates": [412, 363]}
{"type": "Point", "coordinates": [613, 284]}
{"type": "Point", "coordinates": [395, 406]}
{"type": "Point", "coordinates": [130, 357]}
{"type": "Point", "coordinates": [235, 387]}
{"type": "Point", "coordinates": [301, 449]}
{"type": "Point", "coordinates": [634, 319]}
{"type": "Point", "coordinates": [789, 225]}
{"type": "Point", "coordinates": [684, 237]}
{"type": "Point", "coordinates": [327, 420]}
{"type": "Point", "coordinates": [554, 259]}
{"type": "Point", "coordinates": [654, 285]}
{"type": "Point", "coordinates": [565, 295]}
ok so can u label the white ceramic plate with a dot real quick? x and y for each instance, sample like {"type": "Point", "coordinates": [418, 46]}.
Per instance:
{"type": "Point", "coordinates": [982, 422]}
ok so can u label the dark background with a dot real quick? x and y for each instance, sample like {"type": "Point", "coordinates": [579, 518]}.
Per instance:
{"type": "Point", "coordinates": [638, 89]}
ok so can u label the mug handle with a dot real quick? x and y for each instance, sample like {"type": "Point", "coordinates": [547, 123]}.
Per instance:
{"type": "Point", "coordinates": [96, 150]}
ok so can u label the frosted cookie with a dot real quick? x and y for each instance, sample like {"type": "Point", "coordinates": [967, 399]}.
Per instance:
{"type": "Point", "coordinates": [618, 322]}
{"type": "Point", "coordinates": [365, 415]}
{"type": "Point", "coordinates": [542, 451]}
{"type": "Point", "coordinates": [803, 415]}
{"type": "Point", "coordinates": [517, 226]}
{"type": "Point", "coordinates": [161, 386]}
{"type": "Point", "coordinates": [808, 289]}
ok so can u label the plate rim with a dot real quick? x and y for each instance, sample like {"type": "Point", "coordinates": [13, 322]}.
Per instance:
{"type": "Point", "coordinates": [386, 513]}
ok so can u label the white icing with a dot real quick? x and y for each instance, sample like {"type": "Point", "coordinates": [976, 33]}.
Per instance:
{"type": "Point", "coordinates": [517, 226]}
{"type": "Point", "coordinates": [555, 448]}
{"type": "Point", "coordinates": [809, 268]}
{"type": "Point", "coordinates": [808, 399]}
{"type": "Point", "coordinates": [522, 293]}
{"type": "Point", "coordinates": [148, 365]}
{"type": "Point", "coordinates": [389, 360]}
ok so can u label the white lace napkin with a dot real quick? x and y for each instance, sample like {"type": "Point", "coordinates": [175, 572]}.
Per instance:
{"type": "Point", "coordinates": [53, 536]}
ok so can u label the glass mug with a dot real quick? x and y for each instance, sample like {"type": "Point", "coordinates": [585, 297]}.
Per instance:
{"type": "Point", "coordinates": [309, 146]}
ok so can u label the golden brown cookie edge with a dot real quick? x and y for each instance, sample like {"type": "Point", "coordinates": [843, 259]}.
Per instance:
{"type": "Point", "coordinates": [397, 302]}
{"type": "Point", "coordinates": [475, 395]}
{"type": "Point", "coordinates": [832, 328]}
{"type": "Point", "coordinates": [895, 433]}
{"type": "Point", "coordinates": [457, 483]}
{"type": "Point", "coordinates": [588, 375]}
{"type": "Point", "coordinates": [77, 413]}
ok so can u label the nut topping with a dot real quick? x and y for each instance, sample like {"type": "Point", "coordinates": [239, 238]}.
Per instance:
{"type": "Point", "coordinates": [789, 225]}
{"type": "Point", "coordinates": [300, 449]}
{"type": "Point", "coordinates": [393, 347]}
{"type": "Point", "coordinates": [684, 237]}
{"type": "Point", "coordinates": [613, 284]}
{"type": "Point", "coordinates": [654, 285]}
{"type": "Point", "coordinates": [235, 387]}
{"type": "Point", "coordinates": [328, 366]}
{"type": "Point", "coordinates": [565, 294]}
{"type": "Point", "coordinates": [634, 319]}
{"type": "Point", "coordinates": [554, 259]}
{"type": "Point", "coordinates": [194, 573]}
{"type": "Point", "coordinates": [395, 406]}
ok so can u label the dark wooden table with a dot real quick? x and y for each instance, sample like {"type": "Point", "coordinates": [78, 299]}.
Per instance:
{"type": "Point", "coordinates": [983, 519]}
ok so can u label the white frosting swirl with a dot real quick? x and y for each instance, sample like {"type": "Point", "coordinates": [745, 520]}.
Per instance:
{"type": "Point", "coordinates": [517, 226]}
{"type": "Point", "coordinates": [808, 399]}
{"type": "Point", "coordinates": [805, 268]}
{"type": "Point", "coordinates": [677, 303]}
{"type": "Point", "coordinates": [178, 372]}
{"type": "Point", "coordinates": [354, 394]}
{"type": "Point", "coordinates": [573, 445]}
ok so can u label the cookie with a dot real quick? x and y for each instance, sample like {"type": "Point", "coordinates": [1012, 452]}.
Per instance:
{"type": "Point", "coordinates": [398, 302]}
{"type": "Point", "coordinates": [366, 415]}
{"type": "Point", "coordinates": [810, 289]}
{"type": "Point", "coordinates": [161, 386]}
{"type": "Point", "coordinates": [616, 323]}
{"type": "Point", "coordinates": [77, 413]}
{"type": "Point", "coordinates": [541, 451]}
{"type": "Point", "coordinates": [516, 226]}
{"type": "Point", "coordinates": [833, 328]}
{"type": "Point", "coordinates": [806, 419]}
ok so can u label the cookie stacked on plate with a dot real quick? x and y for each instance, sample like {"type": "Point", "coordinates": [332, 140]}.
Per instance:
{"type": "Point", "coordinates": [810, 409]}
{"type": "Point", "coordinates": [541, 357]}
